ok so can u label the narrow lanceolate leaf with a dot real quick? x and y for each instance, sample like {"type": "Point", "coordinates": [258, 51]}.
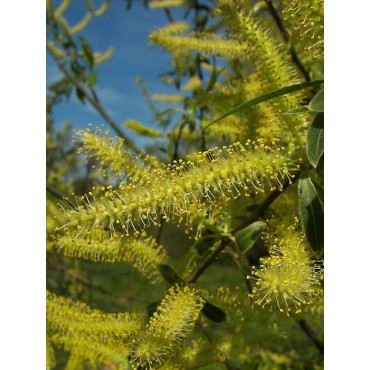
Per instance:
{"type": "Point", "coordinates": [268, 96]}
{"type": "Point", "coordinates": [312, 214]}
{"type": "Point", "coordinates": [315, 139]}
{"type": "Point", "coordinates": [248, 236]}
{"type": "Point", "coordinates": [317, 103]}
{"type": "Point", "coordinates": [203, 245]}
{"type": "Point", "coordinates": [320, 191]}
{"type": "Point", "coordinates": [169, 275]}
{"type": "Point", "coordinates": [213, 312]}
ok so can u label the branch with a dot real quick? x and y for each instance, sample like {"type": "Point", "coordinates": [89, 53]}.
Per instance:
{"type": "Point", "coordinates": [286, 38]}
{"type": "Point", "coordinates": [208, 261]}
{"type": "Point", "coordinates": [311, 335]}
{"type": "Point", "coordinates": [56, 193]}
{"type": "Point", "coordinates": [95, 103]}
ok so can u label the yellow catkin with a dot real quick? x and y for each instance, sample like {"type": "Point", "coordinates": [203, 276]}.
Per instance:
{"type": "Point", "coordinates": [168, 327]}
{"type": "Point", "coordinates": [100, 246]}
{"type": "Point", "coordinates": [288, 278]}
{"type": "Point", "coordinates": [272, 65]}
{"type": "Point", "coordinates": [62, 8]}
{"type": "Point", "coordinates": [166, 4]}
{"type": "Point", "coordinates": [185, 188]}
{"type": "Point", "coordinates": [194, 83]}
{"type": "Point", "coordinates": [207, 44]}
{"type": "Point", "coordinates": [139, 129]}
{"type": "Point", "coordinates": [90, 333]}
{"type": "Point", "coordinates": [56, 51]}
{"type": "Point", "coordinates": [102, 57]}
{"type": "Point", "coordinates": [306, 19]}
{"type": "Point", "coordinates": [168, 98]}
{"type": "Point", "coordinates": [81, 25]}
{"type": "Point", "coordinates": [103, 8]}
{"type": "Point", "coordinates": [112, 156]}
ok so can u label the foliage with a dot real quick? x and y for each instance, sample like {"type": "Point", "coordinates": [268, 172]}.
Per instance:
{"type": "Point", "coordinates": [224, 224]}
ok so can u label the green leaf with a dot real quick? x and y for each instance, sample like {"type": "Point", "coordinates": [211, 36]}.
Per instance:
{"type": "Point", "coordinates": [80, 95]}
{"type": "Point", "coordinates": [171, 144]}
{"type": "Point", "coordinates": [317, 103]}
{"type": "Point", "coordinates": [92, 79]}
{"type": "Point", "coordinates": [312, 213]}
{"type": "Point", "coordinates": [203, 245]}
{"type": "Point", "coordinates": [260, 7]}
{"type": "Point", "coordinates": [169, 275]}
{"type": "Point", "coordinates": [319, 191]}
{"type": "Point", "coordinates": [315, 139]}
{"type": "Point", "coordinates": [87, 52]}
{"type": "Point", "coordinates": [151, 308]}
{"type": "Point", "coordinates": [268, 96]}
{"type": "Point", "coordinates": [248, 236]}
{"type": "Point", "coordinates": [216, 71]}
{"type": "Point", "coordinates": [213, 313]}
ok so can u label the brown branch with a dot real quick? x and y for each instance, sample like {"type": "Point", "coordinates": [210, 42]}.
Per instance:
{"type": "Point", "coordinates": [208, 261]}
{"type": "Point", "coordinates": [286, 38]}
{"type": "Point", "coordinates": [95, 103]}
{"type": "Point", "coordinates": [177, 141]}
{"type": "Point", "coordinates": [169, 15]}
{"type": "Point", "coordinates": [310, 334]}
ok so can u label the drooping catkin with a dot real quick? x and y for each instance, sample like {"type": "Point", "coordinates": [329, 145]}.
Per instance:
{"type": "Point", "coordinates": [204, 43]}
{"type": "Point", "coordinates": [100, 246]}
{"type": "Point", "coordinates": [168, 327]}
{"type": "Point", "coordinates": [68, 317]}
{"type": "Point", "coordinates": [139, 129]}
{"type": "Point", "coordinates": [271, 62]}
{"type": "Point", "coordinates": [90, 333]}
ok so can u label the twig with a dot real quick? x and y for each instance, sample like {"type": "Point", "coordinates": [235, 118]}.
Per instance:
{"type": "Point", "coordinates": [208, 261]}
{"type": "Point", "coordinates": [310, 334]}
{"type": "Point", "coordinates": [169, 15]}
{"type": "Point", "coordinates": [95, 103]}
{"type": "Point", "coordinates": [56, 193]}
{"type": "Point", "coordinates": [177, 142]}
{"type": "Point", "coordinates": [286, 38]}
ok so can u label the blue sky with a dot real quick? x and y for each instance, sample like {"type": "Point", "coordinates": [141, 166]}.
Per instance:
{"type": "Point", "coordinates": [127, 32]}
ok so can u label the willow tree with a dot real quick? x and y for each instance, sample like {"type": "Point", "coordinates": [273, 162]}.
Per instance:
{"type": "Point", "coordinates": [240, 174]}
